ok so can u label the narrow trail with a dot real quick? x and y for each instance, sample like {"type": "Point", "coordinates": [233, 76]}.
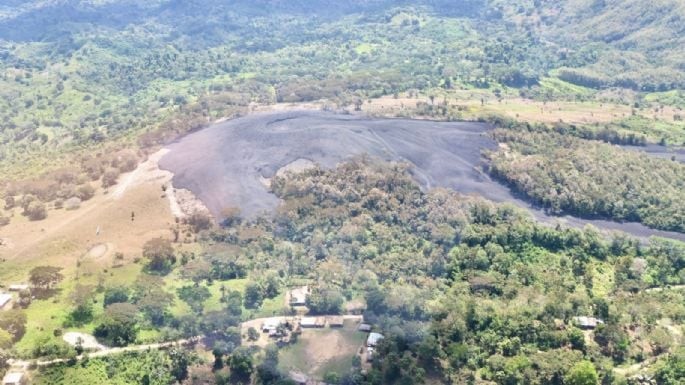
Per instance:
{"type": "Point", "coordinates": [25, 364]}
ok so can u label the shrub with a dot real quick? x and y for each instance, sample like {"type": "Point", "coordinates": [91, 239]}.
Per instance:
{"type": "Point", "coordinates": [199, 221]}
{"type": "Point", "coordinates": [72, 203]}
{"type": "Point", "coordinates": [9, 202]}
{"type": "Point", "coordinates": [36, 211]}
{"type": "Point", "coordinates": [109, 178]}
{"type": "Point", "coordinates": [85, 192]}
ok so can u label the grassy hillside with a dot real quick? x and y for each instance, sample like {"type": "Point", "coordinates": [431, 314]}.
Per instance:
{"type": "Point", "coordinates": [75, 73]}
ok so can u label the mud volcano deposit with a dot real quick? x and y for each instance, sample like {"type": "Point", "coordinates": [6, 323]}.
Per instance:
{"type": "Point", "coordinates": [227, 164]}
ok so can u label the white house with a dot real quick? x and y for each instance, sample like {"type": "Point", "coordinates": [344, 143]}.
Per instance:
{"type": "Point", "coordinates": [5, 300]}
{"type": "Point", "coordinates": [298, 296]}
{"type": "Point", "coordinates": [14, 378]}
{"type": "Point", "coordinates": [374, 339]}
{"type": "Point", "coordinates": [271, 325]}
{"type": "Point", "coordinates": [18, 287]}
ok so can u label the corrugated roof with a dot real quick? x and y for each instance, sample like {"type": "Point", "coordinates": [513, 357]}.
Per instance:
{"type": "Point", "coordinates": [13, 378]}
{"type": "Point", "coordinates": [374, 339]}
{"type": "Point", "coordinates": [4, 299]}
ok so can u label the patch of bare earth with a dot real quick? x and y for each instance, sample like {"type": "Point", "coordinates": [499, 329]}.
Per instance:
{"type": "Point", "coordinates": [324, 347]}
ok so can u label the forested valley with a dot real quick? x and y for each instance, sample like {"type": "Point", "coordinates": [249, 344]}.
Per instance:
{"type": "Point", "coordinates": [110, 274]}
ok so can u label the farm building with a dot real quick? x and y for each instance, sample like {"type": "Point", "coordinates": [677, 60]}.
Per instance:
{"type": "Point", "coordinates": [336, 321]}
{"type": "Point", "coordinates": [356, 307]}
{"type": "Point", "coordinates": [588, 323]}
{"type": "Point", "coordinates": [5, 300]}
{"type": "Point", "coordinates": [299, 378]}
{"type": "Point", "coordinates": [364, 328]}
{"type": "Point", "coordinates": [313, 322]}
{"type": "Point", "coordinates": [21, 287]}
{"type": "Point", "coordinates": [374, 339]}
{"type": "Point", "coordinates": [298, 296]}
{"type": "Point", "coordinates": [14, 378]}
{"type": "Point", "coordinates": [369, 354]}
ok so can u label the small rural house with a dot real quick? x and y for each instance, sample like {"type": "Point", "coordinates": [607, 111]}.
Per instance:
{"type": "Point", "coordinates": [14, 378]}
{"type": "Point", "coordinates": [369, 354]}
{"type": "Point", "coordinates": [5, 301]}
{"type": "Point", "coordinates": [374, 339]}
{"type": "Point", "coordinates": [271, 325]}
{"type": "Point", "coordinates": [18, 287]}
{"type": "Point", "coordinates": [364, 328]}
{"type": "Point", "coordinates": [313, 322]}
{"type": "Point", "coordinates": [299, 378]}
{"type": "Point", "coordinates": [588, 323]}
{"type": "Point", "coordinates": [298, 296]}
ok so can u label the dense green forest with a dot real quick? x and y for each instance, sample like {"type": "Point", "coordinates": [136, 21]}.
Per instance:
{"type": "Point", "coordinates": [71, 77]}
{"type": "Point", "coordinates": [592, 179]}
{"type": "Point", "coordinates": [464, 290]}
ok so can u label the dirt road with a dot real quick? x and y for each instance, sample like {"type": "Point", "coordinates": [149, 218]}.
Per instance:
{"type": "Point", "coordinates": [107, 351]}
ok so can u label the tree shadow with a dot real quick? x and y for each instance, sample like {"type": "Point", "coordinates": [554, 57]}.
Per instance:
{"type": "Point", "coordinates": [45, 293]}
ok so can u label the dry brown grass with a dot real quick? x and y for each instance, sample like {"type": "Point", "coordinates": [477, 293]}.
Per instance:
{"type": "Point", "coordinates": [65, 236]}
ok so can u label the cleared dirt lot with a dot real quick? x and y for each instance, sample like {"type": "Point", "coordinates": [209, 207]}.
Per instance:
{"type": "Point", "coordinates": [226, 164]}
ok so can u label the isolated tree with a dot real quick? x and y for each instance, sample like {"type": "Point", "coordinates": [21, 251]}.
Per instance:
{"type": "Point", "coordinates": [197, 270]}
{"type": "Point", "coordinates": [150, 297]}
{"type": "Point", "coordinates": [195, 296]}
{"type": "Point", "coordinates": [358, 104]}
{"type": "Point", "coordinates": [325, 301]}
{"type": "Point", "coordinates": [82, 299]}
{"type": "Point", "coordinates": [116, 294]}
{"type": "Point", "coordinates": [160, 254]}
{"type": "Point", "coordinates": [119, 325]}
{"type": "Point", "coordinates": [85, 192]}
{"type": "Point", "coordinates": [582, 373]}
{"type": "Point", "coordinates": [4, 357]}
{"type": "Point", "coordinates": [25, 298]}
{"type": "Point", "coordinates": [252, 334]}
{"type": "Point", "coordinates": [271, 284]}
{"type": "Point", "coordinates": [234, 302]}
{"type": "Point", "coordinates": [180, 361]}
{"type": "Point", "coordinates": [231, 216]}
{"type": "Point", "coordinates": [9, 202]}
{"type": "Point", "coordinates": [109, 178]}
{"type": "Point", "coordinates": [36, 211]}
{"type": "Point", "coordinates": [241, 364]}
{"type": "Point", "coordinates": [199, 221]}
{"type": "Point", "coordinates": [253, 295]}
{"type": "Point", "coordinates": [44, 277]}
{"type": "Point", "coordinates": [13, 321]}
{"type": "Point", "coordinates": [267, 371]}
{"type": "Point", "coordinates": [6, 340]}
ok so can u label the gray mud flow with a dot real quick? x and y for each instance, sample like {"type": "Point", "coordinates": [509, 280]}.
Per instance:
{"type": "Point", "coordinates": [225, 165]}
